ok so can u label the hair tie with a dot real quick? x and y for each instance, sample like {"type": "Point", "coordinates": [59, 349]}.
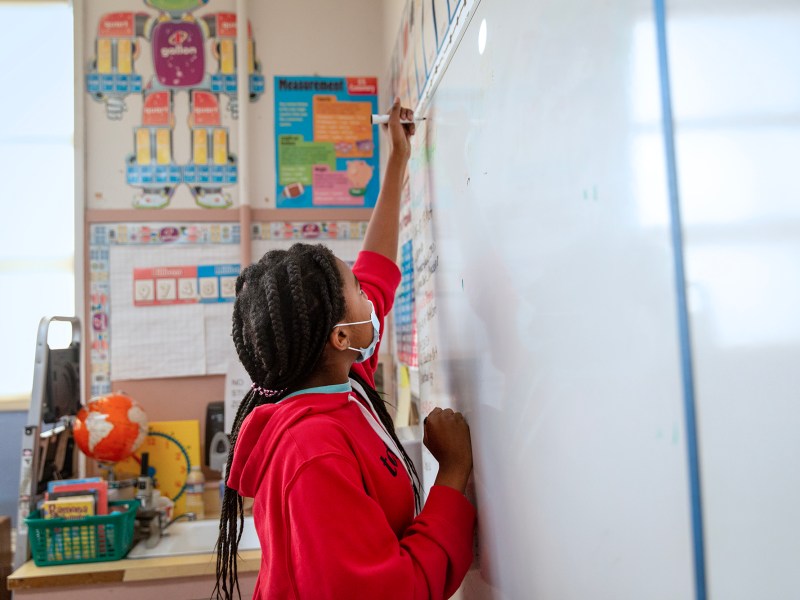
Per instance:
{"type": "Point", "coordinates": [264, 391]}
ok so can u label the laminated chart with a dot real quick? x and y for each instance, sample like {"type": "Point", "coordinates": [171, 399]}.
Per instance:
{"type": "Point", "coordinates": [326, 147]}
{"type": "Point", "coordinates": [404, 316]}
{"type": "Point", "coordinates": [184, 285]}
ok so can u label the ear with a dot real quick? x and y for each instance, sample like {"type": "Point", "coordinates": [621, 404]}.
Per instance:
{"type": "Point", "coordinates": [339, 339]}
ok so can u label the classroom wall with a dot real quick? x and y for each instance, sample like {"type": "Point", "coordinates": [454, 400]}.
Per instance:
{"type": "Point", "coordinates": [11, 424]}
{"type": "Point", "coordinates": [306, 37]}
{"type": "Point", "coordinates": [298, 38]}
{"type": "Point", "coordinates": [391, 17]}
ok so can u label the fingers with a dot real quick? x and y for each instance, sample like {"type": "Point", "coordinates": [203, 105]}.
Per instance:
{"type": "Point", "coordinates": [447, 437]}
{"type": "Point", "coordinates": [444, 412]}
{"type": "Point", "coordinates": [394, 112]}
{"type": "Point", "coordinates": [406, 114]}
{"type": "Point", "coordinates": [398, 113]}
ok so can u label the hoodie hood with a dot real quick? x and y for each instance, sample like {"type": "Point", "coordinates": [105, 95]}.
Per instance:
{"type": "Point", "coordinates": [262, 430]}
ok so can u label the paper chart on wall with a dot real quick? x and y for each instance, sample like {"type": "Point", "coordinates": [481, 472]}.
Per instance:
{"type": "Point", "coordinates": [326, 148]}
{"type": "Point", "coordinates": [347, 250]}
{"type": "Point", "coordinates": [429, 32]}
{"type": "Point", "coordinates": [166, 340]}
{"type": "Point", "coordinates": [424, 254]}
{"type": "Point", "coordinates": [344, 238]}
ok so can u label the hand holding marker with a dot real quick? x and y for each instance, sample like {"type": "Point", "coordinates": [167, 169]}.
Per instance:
{"type": "Point", "coordinates": [399, 124]}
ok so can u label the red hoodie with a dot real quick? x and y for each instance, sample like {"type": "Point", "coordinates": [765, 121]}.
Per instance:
{"type": "Point", "coordinates": [333, 504]}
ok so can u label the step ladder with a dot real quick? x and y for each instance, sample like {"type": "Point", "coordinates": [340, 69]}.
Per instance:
{"type": "Point", "coordinates": [48, 448]}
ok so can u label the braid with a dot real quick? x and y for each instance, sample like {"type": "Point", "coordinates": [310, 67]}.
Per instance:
{"type": "Point", "coordinates": [286, 305]}
{"type": "Point", "coordinates": [231, 525]}
{"type": "Point", "coordinates": [303, 322]}
{"type": "Point", "coordinates": [272, 292]}
{"type": "Point", "coordinates": [332, 283]}
{"type": "Point", "coordinates": [239, 333]}
{"type": "Point", "coordinates": [330, 290]}
{"type": "Point", "coordinates": [247, 274]}
{"type": "Point", "coordinates": [242, 349]}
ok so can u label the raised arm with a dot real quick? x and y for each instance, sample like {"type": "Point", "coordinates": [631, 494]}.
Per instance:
{"type": "Point", "coordinates": [383, 229]}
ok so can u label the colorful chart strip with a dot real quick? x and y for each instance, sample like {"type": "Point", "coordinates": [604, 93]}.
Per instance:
{"type": "Point", "coordinates": [164, 286]}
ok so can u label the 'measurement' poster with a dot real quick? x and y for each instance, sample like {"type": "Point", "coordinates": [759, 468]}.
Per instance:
{"type": "Point", "coordinates": [326, 147]}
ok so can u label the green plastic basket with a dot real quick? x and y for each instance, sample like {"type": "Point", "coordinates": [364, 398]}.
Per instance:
{"type": "Point", "coordinates": [87, 540]}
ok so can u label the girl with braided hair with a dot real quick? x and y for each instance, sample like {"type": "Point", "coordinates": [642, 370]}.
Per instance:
{"type": "Point", "coordinates": [337, 505]}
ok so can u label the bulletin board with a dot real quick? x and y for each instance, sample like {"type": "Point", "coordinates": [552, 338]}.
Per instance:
{"type": "Point", "coordinates": [170, 336]}
{"type": "Point", "coordinates": [165, 339]}
{"type": "Point", "coordinates": [174, 333]}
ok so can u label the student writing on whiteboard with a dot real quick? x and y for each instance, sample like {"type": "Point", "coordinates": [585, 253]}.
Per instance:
{"type": "Point", "coordinates": [337, 501]}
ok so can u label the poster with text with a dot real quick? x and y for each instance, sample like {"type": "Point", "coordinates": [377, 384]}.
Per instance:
{"type": "Point", "coordinates": [326, 147]}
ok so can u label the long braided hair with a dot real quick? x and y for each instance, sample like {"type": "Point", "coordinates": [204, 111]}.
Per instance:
{"type": "Point", "coordinates": [287, 304]}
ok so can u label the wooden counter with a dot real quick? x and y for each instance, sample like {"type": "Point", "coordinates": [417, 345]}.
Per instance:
{"type": "Point", "coordinates": [176, 577]}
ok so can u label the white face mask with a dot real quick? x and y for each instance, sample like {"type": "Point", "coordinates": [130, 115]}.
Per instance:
{"type": "Point", "coordinates": [376, 335]}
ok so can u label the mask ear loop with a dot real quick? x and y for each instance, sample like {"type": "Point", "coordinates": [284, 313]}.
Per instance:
{"type": "Point", "coordinates": [359, 350]}
{"type": "Point", "coordinates": [369, 350]}
{"type": "Point", "coordinates": [353, 323]}
{"type": "Point", "coordinates": [359, 322]}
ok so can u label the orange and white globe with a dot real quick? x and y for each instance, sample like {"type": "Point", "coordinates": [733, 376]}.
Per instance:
{"type": "Point", "coordinates": [110, 428]}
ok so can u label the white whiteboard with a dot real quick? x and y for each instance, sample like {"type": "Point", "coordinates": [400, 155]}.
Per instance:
{"type": "Point", "coordinates": [552, 303]}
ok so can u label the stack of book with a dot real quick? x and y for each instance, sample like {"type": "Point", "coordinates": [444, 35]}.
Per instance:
{"type": "Point", "coordinates": [75, 500]}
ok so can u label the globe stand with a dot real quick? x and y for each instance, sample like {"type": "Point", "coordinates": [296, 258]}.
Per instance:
{"type": "Point", "coordinates": [108, 469]}
{"type": "Point", "coordinates": [149, 520]}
